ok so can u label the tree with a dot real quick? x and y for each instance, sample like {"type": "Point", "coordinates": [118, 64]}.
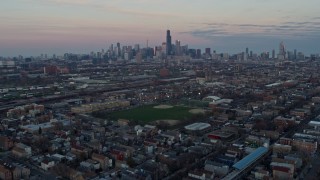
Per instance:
{"type": "Point", "coordinates": [131, 163]}
{"type": "Point", "coordinates": [40, 131]}
{"type": "Point", "coordinates": [163, 125]}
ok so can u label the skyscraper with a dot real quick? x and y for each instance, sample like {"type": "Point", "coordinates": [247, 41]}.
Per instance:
{"type": "Point", "coordinates": [178, 48]}
{"type": "Point", "coordinates": [118, 50]}
{"type": "Point", "coordinates": [273, 54]}
{"type": "Point", "coordinates": [208, 51]}
{"type": "Point", "coordinates": [111, 48]}
{"type": "Point", "coordinates": [168, 43]}
{"type": "Point", "coordinates": [282, 51]}
{"type": "Point", "coordinates": [137, 47]}
{"type": "Point", "coordinates": [198, 54]}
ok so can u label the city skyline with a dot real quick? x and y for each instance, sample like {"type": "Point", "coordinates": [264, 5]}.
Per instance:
{"type": "Point", "coordinates": [32, 27]}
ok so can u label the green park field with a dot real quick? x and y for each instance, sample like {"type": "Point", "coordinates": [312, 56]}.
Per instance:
{"type": "Point", "coordinates": [148, 113]}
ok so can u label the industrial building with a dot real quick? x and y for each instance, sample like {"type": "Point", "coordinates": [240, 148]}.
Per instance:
{"type": "Point", "coordinates": [198, 128]}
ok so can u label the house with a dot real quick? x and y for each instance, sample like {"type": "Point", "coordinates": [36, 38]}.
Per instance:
{"type": "Point", "coordinates": [90, 165]}
{"type": "Point", "coordinates": [94, 145]}
{"type": "Point", "coordinates": [5, 143]}
{"type": "Point", "coordinates": [117, 155]}
{"type": "Point", "coordinates": [308, 146]}
{"type": "Point", "coordinates": [300, 112]}
{"type": "Point", "coordinates": [285, 122]}
{"type": "Point", "coordinates": [216, 167]}
{"type": "Point", "coordinates": [201, 174]}
{"type": "Point", "coordinates": [281, 148]}
{"type": "Point", "coordinates": [282, 170]}
{"type": "Point", "coordinates": [16, 173]}
{"type": "Point", "coordinates": [152, 169]}
{"type": "Point", "coordinates": [171, 135]}
{"type": "Point", "coordinates": [175, 160]}
{"type": "Point", "coordinates": [46, 164]}
{"type": "Point", "coordinates": [22, 150]}
{"type": "Point", "coordinates": [80, 152]}
{"type": "Point", "coordinates": [261, 174]}
{"type": "Point", "coordinates": [70, 157]}
{"type": "Point", "coordinates": [199, 150]}
{"type": "Point", "coordinates": [13, 171]}
{"type": "Point", "coordinates": [149, 130]}
{"type": "Point", "coordinates": [104, 161]}
{"type": "Point", "coordinates": [23, 171]}
{"type": "Point", "coordinates": [268, 134]}
{"type": "Point", "coordinates": [123, 122]}
{"type": "Point", "coordinates": [58, 157]}
{"type": "Point", "coordinates": [296, 158]}
{"type": "Point", "coordinates": [126, 151]}
{"type": "Point", "coordinates": [76, 175]}
{"type": "Point", "coordinates": [5, 173]}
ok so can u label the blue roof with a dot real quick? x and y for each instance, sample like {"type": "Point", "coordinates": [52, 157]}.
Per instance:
{"type": "Point", "coordinates": [249, 159]}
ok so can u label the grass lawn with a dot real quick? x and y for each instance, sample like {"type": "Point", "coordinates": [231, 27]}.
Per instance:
{"type": "Point", "coordinates": [148, 113]}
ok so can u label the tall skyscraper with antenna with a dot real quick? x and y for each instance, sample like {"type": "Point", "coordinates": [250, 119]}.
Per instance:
{"type": "Point", "coordinates": [148, 49]}
{"type": "Point", "coordinates": [168, 44]}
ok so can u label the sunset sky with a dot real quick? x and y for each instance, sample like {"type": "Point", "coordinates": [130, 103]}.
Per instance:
{"type": "Point", "coordinates": [32, 27]}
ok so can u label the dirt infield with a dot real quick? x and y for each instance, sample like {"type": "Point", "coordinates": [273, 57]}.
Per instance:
{"type": "Point", "coordinates": [163, 107]}
{"type": "Point", "coordinates": [197, 111]}
{"type": "Point", "coordinates": [170, 122]}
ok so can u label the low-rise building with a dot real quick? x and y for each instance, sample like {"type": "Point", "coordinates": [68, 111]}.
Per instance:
{"type": "Point", "coordinates": [21, 151]}
{"type": "Point", "coordinates": [90, 165]}
{"type": "Point", "coordinates": [216, 167]}
{"type": "Point", "coordinates": [46, 164]}
{"type": "Point", "coordinates": [104, 161]}
{"type": "Point", "coordinates": [198, 128]}
{"type": "Point", "coordinates": [220, 135]}
{"type": "Point", "coordinates": [282, 170]}
{"type": "Point", "coordinates": [201, 174]}
{"type": "Point", "coordinates": [5, 173]}
{"type": "Point", "coordinates": [261, 174]}
{"type": "Point", "coordinates": [5, 143]}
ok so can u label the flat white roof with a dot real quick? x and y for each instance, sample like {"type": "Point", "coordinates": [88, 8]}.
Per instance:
{"type": "Point", "coordinates": [314, 123]}
{"type": "Point", "coordinates": [197, 126]}
{"type": "Point", "coordinates": [274, 84]}
{"type": "Point", "coordinates": [58, 156]}
{"type": "Point", "coordinates": [34, 127]}
{"type": "Point", "coordinates": [213, 97]}
{"type": "Point", "coordinates": [221, 101]}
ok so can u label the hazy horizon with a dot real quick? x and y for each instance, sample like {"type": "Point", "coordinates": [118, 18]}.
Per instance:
{"type": "Point", "coordinates": [34, 27]}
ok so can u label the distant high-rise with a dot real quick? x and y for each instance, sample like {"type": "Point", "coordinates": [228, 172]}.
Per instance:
{"type": "Point", "coordinates": [282, 51]}
{"type": "Point", "coordinates": [111, 48]}
{"type": "Point", "coordinates": [198, 53]}
{"type": "Point", "coordinates": [247, 51]}
{"type": "Point", "coordinates": [208, 51]}
{"type": "Point", "coordinates": [118, 49]}
{"type": "Point", "coordinates": [178, 48]}
{"type": "Point", "coordinates": [168, 43]}
{"type": "Point", "coordinates": [273, 54]}
{"type": "Point", "coordinates": [137, 47]}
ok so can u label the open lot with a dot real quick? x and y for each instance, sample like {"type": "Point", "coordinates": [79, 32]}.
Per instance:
{"type": "Point", "coordinates": [149, 113]}
{"type": "Point", "coordinates": [197, 111]}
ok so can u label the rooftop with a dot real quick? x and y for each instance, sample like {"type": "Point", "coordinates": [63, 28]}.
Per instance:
{"type": "Point", "coordinates": [220, 133]}
{"type": "Point", "coordinates": [197, 126]}
{"type": "Point", "coordinates": [314, 123]}
{"type": "Point", "coordinates": [251, 158]}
